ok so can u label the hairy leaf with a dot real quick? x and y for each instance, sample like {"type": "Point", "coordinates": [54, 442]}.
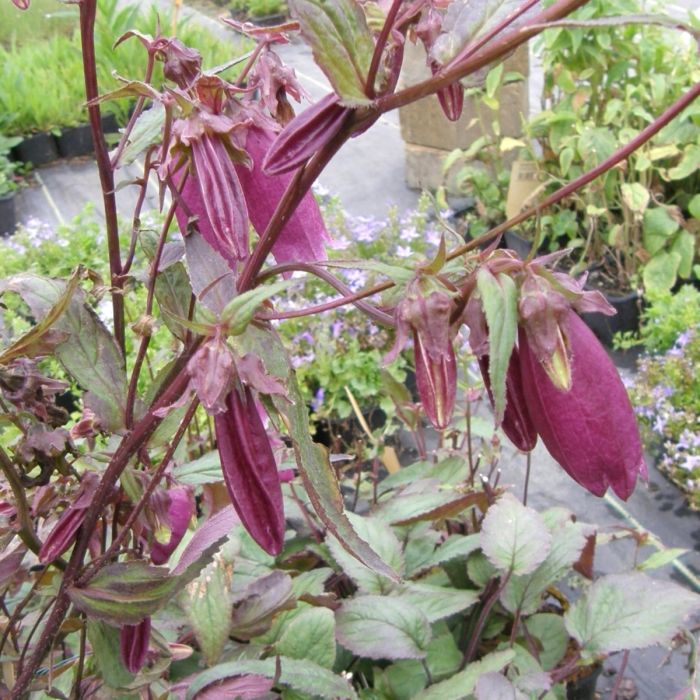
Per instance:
{"type": "Point", "coordinates": [514, 537]}
{"type": "Point", "coordinates": [382, 627]}
{"type": "Point", "coordinates": [310, 635]}
{"type": "Point", "coordinates": [437, 602]}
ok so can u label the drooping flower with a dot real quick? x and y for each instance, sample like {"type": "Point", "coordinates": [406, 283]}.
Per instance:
{"type": "Point", "coordinates": [179, 514]}
{"type": "Point", "coordinates": [425, 313]}
{"type": "Point", "coordinates": [250, 470]}
{"type": "Point", "coordinates": [133, 644]}
{"type": "Point", "coordinates": [590, 429]}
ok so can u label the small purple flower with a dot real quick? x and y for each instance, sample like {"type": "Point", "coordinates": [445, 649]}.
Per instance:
{"type": "Point", "coordinates": [404, 251]}
{"type": "Point", "coordinates": [317, 401]}
{"type": "Point", "coordinates": [180, 512]}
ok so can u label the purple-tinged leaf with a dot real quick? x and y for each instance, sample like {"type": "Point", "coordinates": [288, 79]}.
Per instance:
{"type": "Point", "coordinates": [247, 687]}
{"type": "Point", "coordinates": [207, 538]}
{"type": "Point", "coordinates": [89, 353]}
{"type": "Point", "coordinates": [304, 235]}
{"type": "Point", "coordinates": [10, 565]}
{"type": "Point", "coordinates": [494, 686]}
{"type": "Point", "coordinates": [499, 297]}
{"type": "Point", "coordinates": [250, 470]}
{"type": "Point", "coordinates": [305, 135]}
{"type": "Point", "coordinates": [133, 644]}
{"type": "Point", "coordinates": [261, 600]}
{"type": "Point", "coordinates": [341, 43]}
{"type": "Point", "coordinates": [591, 430]}
{"type": "Point", "coordinates": [214, 187]}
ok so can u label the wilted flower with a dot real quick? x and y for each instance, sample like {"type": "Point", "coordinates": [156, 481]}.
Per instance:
{"type": "Point", "coordinates": [211, 373]}
{"type": "Point", "coordinates": [250, 470]}
{"type": "Point", "coordinates": [133, 644]}
{"type": "Point", "coordinates": [425, 313]}
{"type": "Point", "coordinates": [591, 429]}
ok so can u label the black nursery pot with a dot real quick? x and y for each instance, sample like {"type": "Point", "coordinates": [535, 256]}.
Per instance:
{"type": "Point", "coordinates": [8, 219]}
{"type": "Point", "coordinates": [626, 319]}
{"type": "Point", "coordinates": [583, 688]}
{"type": "Point", "coordinates": [39, 149]}
{"type": "Point", "coordinates": [518, 243]}
{"type": "Point", "coordinates": [76, 141]}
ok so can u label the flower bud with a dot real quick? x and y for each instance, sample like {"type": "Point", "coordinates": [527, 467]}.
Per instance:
{"type": "Point", "coordinates": [211, 370]}
{"type": "Point", "coordinates": [591, 429]}
{"type": "Point", "coordinates": [436, 380]}
{"type": "Point", "coordinates": [133, 644]}
{"type": "Point", "coordinates": [250, 470]}
{"type": "Point", "coordinates": [181, 64]}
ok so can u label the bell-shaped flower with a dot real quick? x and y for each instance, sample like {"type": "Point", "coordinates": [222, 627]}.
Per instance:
{"type": "Point", "coordinates": [211, 371]}
{"type": "Point", "coordinates": [304, 235]}
{"type": "Point", "coordinates": [181, 64]}
{"type": "Point", "coordinates": [133, 644]}
{"type": "Point", "coordinates": [590, 429]}
{"type": "Point", "coordinates": [179, 513]}
{"type": "Point", "coordinates": [250, 470]}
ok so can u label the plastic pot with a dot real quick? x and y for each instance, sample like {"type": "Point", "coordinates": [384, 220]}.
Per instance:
{"type": "Point", "coordinates": [39, 149]}
{"type": "Point", "coordinates": [583, 687]}
{"type": "Point", "coordinates": [8, 219]}
{"type": "Point", "coordinates": [626, 319]}
{"type": "Point", "coordinates": [75, 141]}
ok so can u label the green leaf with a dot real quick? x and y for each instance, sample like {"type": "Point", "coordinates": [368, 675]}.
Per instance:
{"type": "Point", "coordinates": [694, 207]}
{"type": "Point", "coordinates": [493, 80]}
{"type": "Point", "coordinates": [499, 297]}
{"type": "Point", "coordinates": [549, 630]}
{"type": "Point", "coordinates": [314, 465]}
{"type": "Point", "coordinates": [173, 294]}
{"type": "Point", "coordinates": [566, 157]}
{"type": "Point", "coordinates": [125, 593]}
{"type": "Point", "coordinates": [206, 602]}
{"type": "Point", "coordinates": [658, 227]}
{"type": "Point", "coordinates": [456, 547]}
{"type": "Point", "coordinates": [525, 592]}
{"type": "Point", "coordinates": [514, 537]}
{"type": "Point", "coordinates": [596, 144]}
{"type": "Point", "coordinates": [684, 245]}
{"type": "Point", "coordinates": [204, 470]}
{"type": "Point", "coordinates": [635, 196]}
{"type": "Point", "coordinates": [628, 611]}
{"type": "Point", "coordinates": [89, 353]}
{"type": "Point", "coordinates": [462, 684]}
{"type": "Point", "coordinates": [238, 313]}
{"type": "Point", "coordinates": [303, 676]}
{"type": "Point", "coordinates": [146, 132]}
{"type": "Point", "coordinates": [661, 558]}
{"type": "Point", "coordinates": [690, 163]}
{"type": "Point", "coordinates": [104, 641]}
{"type": "Point", "coordinates": [437, 602]}
{"type": "Point", "coordinates": [383, 541]}
{"type": "Point", "coordinates": [310, 635]}
{"type": "Point", "coordinates": [660, 272]}
{"type": "Point", "coordinates": [341, 43]}
{"type": "Point", "coordinates": [381, 627]}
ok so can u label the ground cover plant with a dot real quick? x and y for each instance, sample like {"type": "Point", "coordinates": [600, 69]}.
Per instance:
{"type": "Point", "coordinates": [173, 529]}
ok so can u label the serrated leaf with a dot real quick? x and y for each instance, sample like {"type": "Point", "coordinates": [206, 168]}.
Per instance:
{"type": "Point", "coordinates": [514, 537]}
{"type": "Point", "coordinates": [499, 297]}
{"type": "Point", "coordinates": [494, 686]}
{"type": "Point", "coordinates": [212, 280]}
{"type": "Point", "coordinates": [173, 294]}
{"type": "Point", "coordinates": [383, 541]}
{"type": "Point", "coordinates": [206, 602]}
{"type": "Point", "coordinates": [658, 227]}
{"type": "Point", "coordinates": [89, 352]}
{"type": "Point", "coordinates": [456, 547]}
{"type": "Point", "coordinates": [628, 611]}
{"type": "Point", "coordinates": [462, 684]}
{"type": "Point", "coordinates": [259, 602]}
{"type": "Point", "coordinates": [341, 43]}
{"type": "Point", "coordinates": [310, 635]}
{"type": "Point", "coordinates": [437, 602]}
{"type": "Point", "coordinates": [549, 630]}
{"type": "Point", "coordinates": [304, 676]}
{"type": "Point", "coordinates": [382, 627]}
{"type": "Point", "coordinates": [312, 459]}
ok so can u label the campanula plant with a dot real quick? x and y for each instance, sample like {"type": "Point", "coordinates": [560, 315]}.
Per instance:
{"type": "Point", "coordinates": [200, 488]}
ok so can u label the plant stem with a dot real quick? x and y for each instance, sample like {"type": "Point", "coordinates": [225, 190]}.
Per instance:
{"type": "Point", "coordinates": [619, 676]}
{"type": "Point", "coordinates": [88, 11]}
{"type": "Point", "coordinates": [379, 47]}
{"type": "Point", "coordinates": [527, 477]}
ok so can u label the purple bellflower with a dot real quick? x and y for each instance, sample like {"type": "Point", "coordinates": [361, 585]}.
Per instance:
{"type": "Point", "coordinates": [133, 644]}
